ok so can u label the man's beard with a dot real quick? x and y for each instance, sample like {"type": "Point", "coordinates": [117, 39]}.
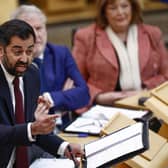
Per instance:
{"type": "Point", "coordinates": [12, 70]}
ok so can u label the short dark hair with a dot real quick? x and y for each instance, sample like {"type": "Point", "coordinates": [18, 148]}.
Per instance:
{"type": "Point", "coordinates": [101, 18]}
{"type": "Point", "coordinates": [15, 27]}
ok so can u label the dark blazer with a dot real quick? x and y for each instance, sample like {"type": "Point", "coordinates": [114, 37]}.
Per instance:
{"type": "Point", "coordinates": [12, 134]}
{"type": "Point", "coordinates": [58, 65]}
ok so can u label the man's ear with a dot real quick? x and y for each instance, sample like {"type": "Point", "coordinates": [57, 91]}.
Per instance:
{"type": "Point", "coordinates": [1, 51]}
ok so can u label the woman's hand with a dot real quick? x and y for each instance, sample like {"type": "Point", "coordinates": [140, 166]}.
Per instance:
{"type": "Point", "coordinates": [108, 98]}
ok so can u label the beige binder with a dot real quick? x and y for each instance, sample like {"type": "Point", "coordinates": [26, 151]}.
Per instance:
{"type": "Point", "coordinates": [117, 122]}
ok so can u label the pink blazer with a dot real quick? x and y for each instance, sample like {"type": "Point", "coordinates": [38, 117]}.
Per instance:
{"type": "Point", "coordinates": [97, 60]}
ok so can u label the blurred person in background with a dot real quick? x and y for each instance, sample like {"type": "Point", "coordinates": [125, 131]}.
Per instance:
{"type": "Point", "coordinates": [119, 55]}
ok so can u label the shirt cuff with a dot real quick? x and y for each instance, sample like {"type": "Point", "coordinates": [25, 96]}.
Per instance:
{"type": "Point", "coordinates": [48, 96]}
{"type": "Point", "coordinates": [31, 138]}
{"type": "Point", "coordinates": [61, 149]}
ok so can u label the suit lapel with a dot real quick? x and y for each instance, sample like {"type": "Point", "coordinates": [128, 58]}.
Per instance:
{"type": "Point", "coordinates": [105, 47]}
{"type": "Point", "coordinates": [108, 52]}
{"type": "Point", "coordinates": [144, 48]}
{"type": "Point", "coordinates": [5, 95]}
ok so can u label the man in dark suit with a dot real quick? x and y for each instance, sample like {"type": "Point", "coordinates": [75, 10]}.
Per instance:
{"type": "Point", "coordinates": [17, 40]}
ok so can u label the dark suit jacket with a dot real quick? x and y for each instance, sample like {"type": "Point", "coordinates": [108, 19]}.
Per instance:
{"type": "Point", "coordinates": [12, 134]}
{"type": "Point", "coordinates": [58, 65]}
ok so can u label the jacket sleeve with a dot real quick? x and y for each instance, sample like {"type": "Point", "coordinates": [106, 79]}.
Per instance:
{"type": "Point", "coordinates": [75, 97]}
{"type": "Point", "coordinates": [83, 46]}
{"type": "Point", "coordinates": [14, 135]}
{"type": "Point", "coordinates": [157, 43]}
{"type": "Point", "coordinates": [49, 143]}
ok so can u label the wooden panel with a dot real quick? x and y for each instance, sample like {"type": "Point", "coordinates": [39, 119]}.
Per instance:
{"type": "Point", "coordinates": [64, 5]}
{"type": "Point", "coordinates": [132, 101]}
{"type": "Point", "coordinates": [156, 143]}
{"type": "Point", "coordinates": [163, 131]}
{"type": "Point", "coordinates": [73, 10]}
{"type": "Point", "coordinates": [161, 92]}
{"type": "Point", "coordinates": [59, 6]}
{"type": "Point", "coordinates": [138, 162]}
{"type": "Point", "coordinates": [159, 108]}
{"type": "Point", "coordinates": [159, 161]}
{"type": "Point", "coordinates": [6, 7]}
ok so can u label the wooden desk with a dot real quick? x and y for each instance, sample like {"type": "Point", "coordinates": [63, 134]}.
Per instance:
{"type": "Point", "coordinates": [160, 160]}
{"type": "Point", "coordinates": [157, 145]}
{"type": "Point", "coordinates": [85, 140]}
{"type": "Point", "coordinates": [120, 122]}
{"type": "Point", "coordinates": [132, 102]}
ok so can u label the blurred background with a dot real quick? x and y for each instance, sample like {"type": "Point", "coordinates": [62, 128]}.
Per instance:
{"type": "Point", "coordinates": [64, 16]}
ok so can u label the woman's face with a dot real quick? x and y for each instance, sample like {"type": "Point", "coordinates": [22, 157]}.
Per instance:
{"type": "Point", "coordinates": [119, 15]}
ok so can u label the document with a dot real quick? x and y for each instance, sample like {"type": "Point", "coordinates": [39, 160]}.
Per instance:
{"type": "Point", "coordinates": [106, 112]}
{"type": "Point", "coordinates": [86, 125]}
{"type": "Point", "coordinates": [118, 146]}
{"type": "Point", "coordinates": [94, 120]}
{"type": "Point", "coordinates": [51, 163]}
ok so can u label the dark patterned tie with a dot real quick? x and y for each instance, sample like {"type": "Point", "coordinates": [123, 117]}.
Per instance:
{"type": "Point", "coordinates": [21, 151]}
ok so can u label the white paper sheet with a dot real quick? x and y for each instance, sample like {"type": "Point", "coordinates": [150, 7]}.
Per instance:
{"type": "Point", "coordinates": [86, 125]}
{"type": "Point", "coordinates": [52, 163]}
{"type": "Point", "coordinates": [98, 116]}
{"type": "Point", "coordinates": [105, 112]}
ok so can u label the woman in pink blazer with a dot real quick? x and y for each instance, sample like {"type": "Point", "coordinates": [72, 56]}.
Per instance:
{"type": "Point", "coordinates": [119, 55]}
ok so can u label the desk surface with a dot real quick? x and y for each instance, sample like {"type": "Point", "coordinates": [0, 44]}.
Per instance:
{"type": "Point", "coordinates": [79, 140]}
{"type": "Point", "coordinates": [132, 102]}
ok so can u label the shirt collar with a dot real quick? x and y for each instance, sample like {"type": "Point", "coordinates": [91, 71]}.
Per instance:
{"type": "Point", "coordinates": [41, 56]}
{"type": "Point", "coordinates": [8, 76]}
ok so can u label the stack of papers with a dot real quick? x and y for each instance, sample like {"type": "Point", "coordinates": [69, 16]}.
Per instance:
{"type": "Point", "coordinates": [105, 112]}
{"type": "Point", "coordinates": [86, 125]}
{"type": "Point", "coordinates": [97, 117]}
{"type": "Point", "coordinates": [52, 163]}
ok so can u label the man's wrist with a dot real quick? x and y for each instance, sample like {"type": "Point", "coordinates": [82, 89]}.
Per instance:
{"type": "Point", "coordinates": [33, 129]}
{"type": "Point", "coordinates": [62, 147]}
{"type": "Point", "coordinates": [31, 137]}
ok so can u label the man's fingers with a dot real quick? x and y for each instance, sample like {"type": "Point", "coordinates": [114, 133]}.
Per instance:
{"type": "Point", "coordinates": [52, 117]}
{"type": "Point", "coordinates": [44, 101]}
{"type": "Point", "coordinates": [41, 108]}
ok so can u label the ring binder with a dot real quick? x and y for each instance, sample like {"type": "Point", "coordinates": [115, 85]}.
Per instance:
{"type": "Point", "coordinates": [116, 147]}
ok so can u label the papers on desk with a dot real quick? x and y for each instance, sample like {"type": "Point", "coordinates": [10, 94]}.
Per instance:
{"type": "Point", "coordinates": [116, 147]}
{"type": "Point", "coordinates": [52, 163]}
{"type": "Point", "coordinates": [86, 125]}
{"type": "Point", "coordinates": [97, 117]}
{"type": "Point", "coordinates": [105, 112]}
